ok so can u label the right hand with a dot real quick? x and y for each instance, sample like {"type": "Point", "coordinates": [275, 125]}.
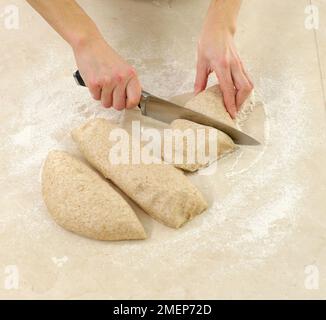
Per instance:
{"type": "Point", "coordinates": [107, 75]}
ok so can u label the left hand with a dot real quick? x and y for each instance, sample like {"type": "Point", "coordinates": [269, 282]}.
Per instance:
{"type": "Point", "coordinates": [217, 53]}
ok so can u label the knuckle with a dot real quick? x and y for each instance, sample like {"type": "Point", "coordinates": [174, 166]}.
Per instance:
{"type": "Point", "coordinates": [118, 77]}
{"type": "Point", "coordinates": [223, 62]}
{"type": "Point", "coordinates": [93, 84]}
{"type": "Point", "coordinates": [131, 71]}
{"type": "Point", "coordinates": [106, 81]}
{"type": "Point", "coordinates": [247, 88]}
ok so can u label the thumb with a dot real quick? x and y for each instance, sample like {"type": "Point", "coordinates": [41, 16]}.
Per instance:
{"type": "Point", "coordinates": [201, 77]}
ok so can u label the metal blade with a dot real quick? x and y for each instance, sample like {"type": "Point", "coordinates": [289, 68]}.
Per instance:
{"type": "Point", "coordinates": [167, 111]}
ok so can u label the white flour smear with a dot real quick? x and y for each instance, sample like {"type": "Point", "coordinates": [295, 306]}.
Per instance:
{"type": "Point", "coordinates": [248, 218]}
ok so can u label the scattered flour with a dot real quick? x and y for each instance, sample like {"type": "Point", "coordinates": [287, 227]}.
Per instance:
{"type": "Point", "coordinates": [248, 220]}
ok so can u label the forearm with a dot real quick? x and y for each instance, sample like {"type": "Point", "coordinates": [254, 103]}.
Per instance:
{"type": "Point", "coordinates": [108, 76]}
{"type": "Point", "coordinates": [68, 19]}
{"type": "Point", "coordinates": [222, 14]}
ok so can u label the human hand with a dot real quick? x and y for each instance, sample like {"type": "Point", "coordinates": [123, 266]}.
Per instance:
{"type": "Point", "coordinates": [107, 75]}
{"type": "Point", "coordinates": [217, 53]}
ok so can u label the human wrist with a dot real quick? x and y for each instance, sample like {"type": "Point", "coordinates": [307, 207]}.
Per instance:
{"type": "Point", "coordinates": [217, 23]}
{"type": "Point", "coordinates": [222, 16]}
{"type": "Point", "coordinates": [81, 40]}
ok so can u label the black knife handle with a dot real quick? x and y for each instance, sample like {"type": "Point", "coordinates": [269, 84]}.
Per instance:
{"type": "Point", "coordinates": [79, 79]}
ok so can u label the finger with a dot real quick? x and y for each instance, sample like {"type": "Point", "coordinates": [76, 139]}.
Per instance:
{"type": "Point", "coordinates": [228, 90]}
{"type": "Point", "coordinates": [119, 97]}
{"type": "Point", "coordinates": [201, 77]}
{"type": "Point", "coordinates": [95, 89]}
{"type": "Point", "coordinates": [106, 96]}
{"type": "Point", "coordinates": [242, 85]}
{"type": "Point", "coordinates": [133, 93]}
{"type": "Point", "coordinates": [247, 75]}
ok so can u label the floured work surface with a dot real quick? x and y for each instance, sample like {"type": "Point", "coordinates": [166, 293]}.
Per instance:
{"type": "Point", "coordinates": [264, 232]}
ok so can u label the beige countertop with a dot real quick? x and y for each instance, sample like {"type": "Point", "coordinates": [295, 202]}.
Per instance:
{"type": "Point", "coordinates": [264, 234]}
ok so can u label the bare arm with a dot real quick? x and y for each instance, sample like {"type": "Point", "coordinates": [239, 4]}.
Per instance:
{"type": "Point", "coordinates": [68, 19]}
{"type": "Point", "coordinates": [108, 76]}
{"type": "Point", "coordinates": [217, 53]}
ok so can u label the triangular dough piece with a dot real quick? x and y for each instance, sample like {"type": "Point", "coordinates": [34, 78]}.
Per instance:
{"type": "Point", "coordinates": [81, 201]}
{"type": "Point", "coordinates": [159, 189]}
{"type": "Point", "coordinates": [223, 142]}
{"type": "Point", "coordinates": [210, 103]}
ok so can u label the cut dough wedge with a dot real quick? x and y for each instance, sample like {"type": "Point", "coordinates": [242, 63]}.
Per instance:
{"type": "Point", "coordinates": [159, 189]}
{"type": "Point", "coordinates": [81, 201]}
{"type": "Point", "coordinates": [210, 103]}
{"type": "Point", "coordinates": [222, 143]}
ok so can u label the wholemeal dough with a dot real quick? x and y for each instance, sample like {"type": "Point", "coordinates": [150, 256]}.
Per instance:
{"type": "Point", "coordinates": [81, 201]}
{"type": "Point", "coordinates": [159, 189]}
{"type": "Point", "coordinates": [210, 102]}
{"type": "Point", "coordinates": [223, 142]}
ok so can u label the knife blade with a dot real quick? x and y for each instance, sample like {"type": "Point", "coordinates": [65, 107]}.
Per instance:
{"type": "Point", "coordinates": [166, 111]}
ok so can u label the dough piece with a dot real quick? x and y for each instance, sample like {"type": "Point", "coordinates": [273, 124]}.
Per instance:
{"type": "Point", "coordinates": [210, 102]}
{"type": "Point", "coordinates": [224, 144]}
{"type": "Point", "coordinates": [159, 189]}
{"type": "Point", "coordinates": [81, 201]}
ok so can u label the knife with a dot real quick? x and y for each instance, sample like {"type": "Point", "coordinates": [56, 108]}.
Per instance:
{"type": "Point", "coordinates": [167, 111]}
